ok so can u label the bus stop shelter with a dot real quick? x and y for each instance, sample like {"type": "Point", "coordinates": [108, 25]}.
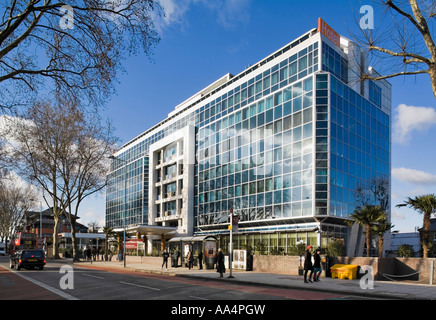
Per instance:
{"type": "Point", "coordinates": [206, 244]}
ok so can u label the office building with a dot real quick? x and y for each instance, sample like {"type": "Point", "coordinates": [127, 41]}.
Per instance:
{"type": "Point", "coordinates": [284, 145]}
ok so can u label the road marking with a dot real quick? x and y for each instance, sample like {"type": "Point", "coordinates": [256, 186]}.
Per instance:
{"type": "Point", "coordinates": [140, 286]}
{"type": "Point", "coordinates": [43, 285]}
{"type": "Point", "coordinates": [92, 276]}
{"type": "Point", "coordinates": [199, 298]}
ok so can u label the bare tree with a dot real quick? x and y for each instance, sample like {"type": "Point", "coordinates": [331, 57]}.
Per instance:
{"type": "Point", "coordinates": [76, 48]}
{"type": "Point", "coordinates": [65, 151]}
{"type": "Point", "coordinates": [94, 226]}
{"type": "Point", "coordinates": [84, 168]}
{"type": "Point", "coordinates": [402, 42]}
{"type": "Point", "coordinates": [14, 201]}
{"type": "Point", "coordinates": [374, 192]}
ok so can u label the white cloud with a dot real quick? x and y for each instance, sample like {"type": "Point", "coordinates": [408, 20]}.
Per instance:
{"type": "Point", "coordinates": [174, 11]}
{"type": "Point", "coordinates": [410, 118]}
{"type": "Point", "coordinates": [397, 215]}
{"type": "Point", "coordinates": [228, 12]}
{"type": "Point", "coordinates": [414, 176]}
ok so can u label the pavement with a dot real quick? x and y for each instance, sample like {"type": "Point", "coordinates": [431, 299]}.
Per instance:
{"type": "Point", "coordinates": [392, 290]}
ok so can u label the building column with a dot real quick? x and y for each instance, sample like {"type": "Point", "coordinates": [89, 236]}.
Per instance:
{"type": "Point", "coordinates": [163, 243]}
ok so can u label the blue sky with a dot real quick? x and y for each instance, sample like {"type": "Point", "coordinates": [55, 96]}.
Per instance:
{"type": "Point", "coordinates": [202, 40]}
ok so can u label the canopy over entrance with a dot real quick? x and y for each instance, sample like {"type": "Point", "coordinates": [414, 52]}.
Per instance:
{"type": "Point", "coordinates": [152, 230]}
{"type": "Point", "coordinates": [148, 230]}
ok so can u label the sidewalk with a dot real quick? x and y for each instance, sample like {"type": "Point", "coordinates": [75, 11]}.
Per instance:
{"type": "Point", "coordinates": [382, 289]}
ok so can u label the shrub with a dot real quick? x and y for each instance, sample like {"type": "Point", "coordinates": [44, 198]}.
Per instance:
{"type": "Point", "coordinates": [405, 251]}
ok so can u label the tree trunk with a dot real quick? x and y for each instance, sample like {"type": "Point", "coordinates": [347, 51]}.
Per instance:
{"type": "Point", "coordinates": [55, 238]}
{"type": "Point", "coordinates": [432, 74]}
{"type": "Point", "coordinates": [74, 243]}
{"type": "Point", "coordinates": [426, 235]}
{"type": "Point", "coordinates": [368, 241]}
{"type": "Point", "coordinates": [380, 246]}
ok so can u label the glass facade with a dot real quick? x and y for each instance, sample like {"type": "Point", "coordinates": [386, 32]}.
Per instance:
{"type": "Point", "coordinates": [284, 144]}
{"type": "Point", "coordinates": [256, 156]}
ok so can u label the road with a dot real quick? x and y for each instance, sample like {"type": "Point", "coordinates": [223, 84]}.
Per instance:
{"type": "Point", "coordinates": [71, 282]}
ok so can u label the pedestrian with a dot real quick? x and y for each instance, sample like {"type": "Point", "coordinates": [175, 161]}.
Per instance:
{"type": "Point", "coordinates": [94, 254]}
{"type": "Point", "coordinates": [175, 258]}
{"type": "Point", "coordinates": [165, 256]}
{"type": "Point", "coordinates": [317, 265]}
{"type": "Point", "coordinates": [308, 264]}
{"type": "Point", "coordinates": [220, 263]}
{"type": "Point", "coordinates": [200, 259]}
{"type": "Point", "coordinates": [190, 259]}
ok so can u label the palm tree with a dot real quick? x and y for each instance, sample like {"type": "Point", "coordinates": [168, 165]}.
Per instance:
{"type": "Point", "coordinates": [367, 216]}
{"type": "Point", "coordinates": [425, 204]}
{"type": "Point", "coordinates": [109, 232]}
{"type": "Point", "coordinates": [380, 229]}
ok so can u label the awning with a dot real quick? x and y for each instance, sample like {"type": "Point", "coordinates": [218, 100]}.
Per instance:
{"type": "Point", "coordinates": [151, 230]}
{"type": "Point", "coordinates": [191, 239]}
{"type": "Point", "coordinates": [83, 235]}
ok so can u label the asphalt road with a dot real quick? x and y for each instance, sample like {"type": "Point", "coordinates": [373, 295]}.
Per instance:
{"type": "Point", "coordinates": [71, 282]}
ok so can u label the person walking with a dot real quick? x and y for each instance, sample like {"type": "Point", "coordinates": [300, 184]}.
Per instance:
{"type": "Point", "coordinates": [308, 264]}
{"type": "Point", "coordinates": [200, 259]}
{"type": "Point", "coordinates": [317, 265]}
{"type": "Point", "coordinates": [190, 259]}
{"type": "Point", "coordinates": [165, 256]}
{"type": "Point", "coordinates": [175, 258]}
{"type": "Point", "coordinates": [220, 263]}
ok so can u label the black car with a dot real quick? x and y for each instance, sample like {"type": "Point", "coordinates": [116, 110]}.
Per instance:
{"type": "Point", "coordinates": [28, 259]}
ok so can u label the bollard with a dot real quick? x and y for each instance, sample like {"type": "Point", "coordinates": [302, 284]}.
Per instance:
{"type": "Point", "coordinates": [431, 271]}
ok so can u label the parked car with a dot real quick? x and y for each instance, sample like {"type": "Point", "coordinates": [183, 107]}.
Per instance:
{"type": "Point", "coordinates": [28, 259]}
{"type": "Point", "coordinates": [2, 249]}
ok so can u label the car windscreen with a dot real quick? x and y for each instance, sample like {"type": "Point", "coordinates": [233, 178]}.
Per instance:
{"type": "Point", "coordinates": [32, 254]}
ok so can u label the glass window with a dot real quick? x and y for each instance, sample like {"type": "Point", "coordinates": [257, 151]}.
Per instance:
{"type": "Point", "coordinates": [287, 195]}
{"type": "Point", "coordinates": [287, 181]}
{"type": "Point", "coordinates": [278, 183]}
{"type": "Point", "coordinates": [302, 63]}
{"type": "Point", "coordinates": [269, 184]}
{"type": "Point", "coordinates": [293, 69]}
{"type": "Point", "coordinates": [266, 82]}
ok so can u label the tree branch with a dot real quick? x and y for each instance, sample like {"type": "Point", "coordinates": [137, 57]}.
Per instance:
{"type": "Point", "coordinates": [403, 73]}
{"type": "Point", "coordinates": [401, 54]}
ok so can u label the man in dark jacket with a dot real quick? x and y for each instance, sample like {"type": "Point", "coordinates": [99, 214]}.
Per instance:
{"type": "Point", "coordinates": [200, 259]}
{"type": "Point", "coordinates": [165, 256]}
{"type": "Point", "coordinates": [220, 263]}
{"type": "Point", "coordinates": [308, 264]}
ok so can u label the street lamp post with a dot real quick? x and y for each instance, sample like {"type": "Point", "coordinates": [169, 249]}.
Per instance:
{"type": "Point", "coordinates": [125, 207]}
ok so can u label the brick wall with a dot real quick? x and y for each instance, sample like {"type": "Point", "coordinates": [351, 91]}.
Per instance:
{"type": "Point", "coordinates": [154, 261]}
{"type": "Point", "coordinates": [384, 269]}
{"type": "Point", "coordinates": [276, 264]}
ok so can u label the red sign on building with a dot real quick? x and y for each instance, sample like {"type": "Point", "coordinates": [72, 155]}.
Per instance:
{"type": "Point", "coordinates": [331, 34]}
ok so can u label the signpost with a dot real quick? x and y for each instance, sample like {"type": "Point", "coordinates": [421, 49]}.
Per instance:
{"type": "Point", "coordinates": [233, 227]}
